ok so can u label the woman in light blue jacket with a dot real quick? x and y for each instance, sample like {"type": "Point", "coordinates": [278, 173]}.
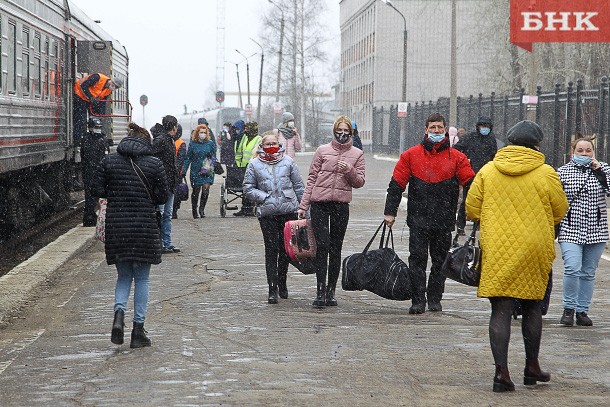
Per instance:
{"type": "Point", "coordinates": [274, 183]}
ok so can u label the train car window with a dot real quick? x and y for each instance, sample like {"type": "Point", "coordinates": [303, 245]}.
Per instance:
{"type": "Point", "coordinates": [46, 69]}
{"type": "Point", "coordinates": [53, 75]}
{"type": "Point", "coordinates": [12, 57]}
{"type": "Point", "coordinates": [25, 61]}
{"type": "Point", "coordinates": [37, 73]}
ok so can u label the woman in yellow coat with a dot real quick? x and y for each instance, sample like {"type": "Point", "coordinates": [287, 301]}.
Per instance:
{"type": "Point", "coordinates": [517, 199]}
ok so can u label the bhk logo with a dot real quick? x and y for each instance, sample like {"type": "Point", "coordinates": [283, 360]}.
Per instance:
{"type": "Point", "coordinates": [559, 21]}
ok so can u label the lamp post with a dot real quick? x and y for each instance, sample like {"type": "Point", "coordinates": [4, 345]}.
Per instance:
{"type": "Point", "coordinates": [241, 104]}
{"type": "Point", "coordinates": [260, 83]}
{"type": "Point", "coordinates": [247, 71]}
{"type": "Point", "coordinates": [279, 55]}
{"type": "Point", "coordinates": [403, 121]}
{"type": "Point", "coordinates": [453, 90]}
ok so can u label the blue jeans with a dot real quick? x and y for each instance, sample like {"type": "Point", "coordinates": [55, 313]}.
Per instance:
{"type": "Point", "coordinates": [580, 262]}
{"type": "Point", "coordinates": [139, 273]}
{"type": "Point", "coordinates": [166, 223]}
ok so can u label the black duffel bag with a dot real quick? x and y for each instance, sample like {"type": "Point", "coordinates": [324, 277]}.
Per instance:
{"type": "Point", "coordinates": [463, 262]}
{"type": "Point", "coordinates": [379, 271]}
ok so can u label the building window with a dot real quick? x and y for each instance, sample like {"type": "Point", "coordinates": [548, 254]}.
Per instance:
{"type": "Point", "coordinates": [37, 72]}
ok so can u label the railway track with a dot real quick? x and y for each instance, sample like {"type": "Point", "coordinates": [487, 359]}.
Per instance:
{"type": "Point", "coordinates": [23, 246]}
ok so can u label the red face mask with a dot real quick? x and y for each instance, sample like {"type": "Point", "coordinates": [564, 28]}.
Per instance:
{"type": "Point", "coordinates": [271, 150]}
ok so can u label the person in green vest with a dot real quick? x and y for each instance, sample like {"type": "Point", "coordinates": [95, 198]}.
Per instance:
{"type": "Point", "coordinates": [245, 150]}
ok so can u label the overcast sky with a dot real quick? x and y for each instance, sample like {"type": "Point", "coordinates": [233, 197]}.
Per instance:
{"type": "Point", "coordinates": [172, 48]}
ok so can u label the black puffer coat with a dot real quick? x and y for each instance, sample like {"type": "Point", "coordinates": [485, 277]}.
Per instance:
{"type": "Point", "coordinates": [132, 233]}
{"type": "Point", "coordinates": [165, 150]}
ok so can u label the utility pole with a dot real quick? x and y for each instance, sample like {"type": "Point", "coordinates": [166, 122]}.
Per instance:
{"type": "Point", "coordinates": [260, 83]}
{"type": "Point", "coordinates": [453, 90]}
{"type": "Point", "coordinates": [279, 57]}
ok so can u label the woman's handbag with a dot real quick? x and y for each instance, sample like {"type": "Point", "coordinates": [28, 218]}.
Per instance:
{"type": "Point", "coordinates": [218, 170]}
{"type": "Point", "coordinates": [182, 190]}
{"type": "Point", "coordinates": [100, 226]}
{"type": "Point", "coordinates": [463, 262]}
{"type": "Point", "coordinates": [379, 271]}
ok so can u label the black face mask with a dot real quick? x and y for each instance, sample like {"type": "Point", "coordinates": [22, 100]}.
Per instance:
{"type": "Point", "coordinates": [342, 138]}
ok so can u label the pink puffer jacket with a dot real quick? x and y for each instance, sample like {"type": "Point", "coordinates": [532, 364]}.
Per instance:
{"type": "Point", "coordinates": [325, 183]}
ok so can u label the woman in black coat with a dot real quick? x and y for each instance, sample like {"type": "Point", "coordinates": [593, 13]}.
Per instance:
{"type": "Point", "coordinates": [134, 183]}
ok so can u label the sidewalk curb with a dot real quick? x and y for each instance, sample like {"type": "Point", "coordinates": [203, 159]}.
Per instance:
{"type": "Point", "coordinates": [20, 284]}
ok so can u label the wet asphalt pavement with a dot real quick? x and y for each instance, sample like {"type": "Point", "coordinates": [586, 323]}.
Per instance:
{"type": "Point", "coordinates": [216, 341]}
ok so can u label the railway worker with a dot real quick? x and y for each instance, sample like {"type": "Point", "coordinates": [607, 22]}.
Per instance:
{"type": "Point", "coordinates": [180, 157]}
{"type": "Point", "coordinates": [288, 135]}
{"type": "Point", "coordinates": [165, 150]}
{"type": "Point", "coordinates": [245, 150]}
{"type": "Point", "coordinates": [89, 91]}
{"type": "Point", "coordinates": [92, 152]}
{"type": "Point", "coordinates": [433, 172]}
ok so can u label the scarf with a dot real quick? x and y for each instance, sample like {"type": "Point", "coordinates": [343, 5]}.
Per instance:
{"type": "Point", "coordinates": [286, 132]}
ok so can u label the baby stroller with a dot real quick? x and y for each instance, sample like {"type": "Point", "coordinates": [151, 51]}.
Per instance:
{"type": "Point", "coordinates": [231, 189]}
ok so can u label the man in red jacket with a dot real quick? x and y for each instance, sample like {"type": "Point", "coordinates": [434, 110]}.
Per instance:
{"type": "Point", "coordinates": [433, 170]}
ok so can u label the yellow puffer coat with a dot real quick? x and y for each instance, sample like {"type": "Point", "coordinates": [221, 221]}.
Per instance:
{"type": "Point", "coordinates": [518, 199]}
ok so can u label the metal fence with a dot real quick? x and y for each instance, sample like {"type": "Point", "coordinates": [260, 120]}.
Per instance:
{"type": "Point", "coordinates": [561, 113]}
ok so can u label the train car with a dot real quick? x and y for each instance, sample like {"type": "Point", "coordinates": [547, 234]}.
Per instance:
{"type": "Point", "coordinates": [46, 45]}
{"type": "Point", "coordinates": [216, 118]}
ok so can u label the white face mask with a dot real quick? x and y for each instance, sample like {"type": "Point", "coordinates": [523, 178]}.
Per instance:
{"type": "Point", "coordinates": [202, 134]}
{"type": "Point", "coordinates": [290, 124]}
{"type": "Point", "coordinates": [97, 131]}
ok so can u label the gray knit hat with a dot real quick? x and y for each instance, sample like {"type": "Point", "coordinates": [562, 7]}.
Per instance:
{"type": "Point", "coordinates": [287, 116]}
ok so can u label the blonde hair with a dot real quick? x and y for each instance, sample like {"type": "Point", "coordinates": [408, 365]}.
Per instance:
{"type": "Point", "coordinates": [269, 134]}
{"type": "Point", "coordinates": [584, 138]}
{"type": "Point", "coordinates": [195, 135]}
{"type": "Point", "coordinates": [343, 119]}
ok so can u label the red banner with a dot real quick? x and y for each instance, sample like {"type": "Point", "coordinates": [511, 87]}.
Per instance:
{"type": "Point", "coordinates": [559, 21]}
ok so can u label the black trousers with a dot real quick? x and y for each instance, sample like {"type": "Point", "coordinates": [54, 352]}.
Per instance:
{"type": "Point", "coordinates": [439, 242]}
{"type": "Point", "coordinates": [329, 221]}
{"type": "Point", "coordinates": [89, 215]}
{"type": "Point", "coordinates": [276, 259]}
{"type": "Point", "coordinates": [79, 119]}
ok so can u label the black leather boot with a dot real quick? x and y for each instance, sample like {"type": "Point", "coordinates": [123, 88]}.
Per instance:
{"type": "Point", "coordinates": [118, 327]}
{"type": "Point", "coordinates": [282, 287]}
{"type": "Point", "coordinates": [204, 200]}
{"type": "Point", "coordinates": [272, 294]}
{"type": "Point", "coordinates": [532, 373]}
{"type": "Point", "coordinates": [195, 214]}
{"type": "Point", "coordinates": [502, 380]}
{"type": "Point", "coordinates": [330, 296]}
{"type": "Point", "coordinates": [138, 336]}
{"type": "Point", "coordinates": [320, 300]}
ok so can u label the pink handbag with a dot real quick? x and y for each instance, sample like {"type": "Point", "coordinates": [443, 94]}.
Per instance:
{"type": "Point", "coordinates": [299, 240]}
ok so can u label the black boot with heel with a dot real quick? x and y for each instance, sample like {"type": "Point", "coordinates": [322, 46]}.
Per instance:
{"type": "Point", "coordinates": [502, 380]}
{"type": "Point", "coordinates": [330, 296]}
{"type": "Point", "coordinates": [272, 294]}
{"type": "Point", "coordinates": [533, 374]}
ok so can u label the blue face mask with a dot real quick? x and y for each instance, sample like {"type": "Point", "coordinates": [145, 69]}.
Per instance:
{"type": "Point", "coordinates": [581, 159]}
{"type": "Point", "coordinates": [484, 131]}
{"type": "Point", "coordinates": [436, 138]}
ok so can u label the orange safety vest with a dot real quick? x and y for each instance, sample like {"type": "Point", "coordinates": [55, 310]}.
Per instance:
{"type": "Point", "coordinates": [97, 90]}
{"type": "Point", "coordinates": [178, 142]}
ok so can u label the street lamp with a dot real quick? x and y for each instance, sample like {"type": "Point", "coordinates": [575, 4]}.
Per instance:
{"type": "Point", "coordinates": [260, 82]}
{"type": "Point", "coordinates": [247, 71]}
{"type": "Point", "coordinates": [241, 104]}
{"type": "Point", "coordinates": [403, 122]}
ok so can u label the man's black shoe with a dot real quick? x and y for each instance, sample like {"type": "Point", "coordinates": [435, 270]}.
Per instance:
{"type": "Point", "coordinates": [418, 308]}
{"type": "Point", "coordinates": [435, 306]}
{"type": "Point", "coordinates": [166, 250]}
{"type": "Point", "coordinates": [239, 213]}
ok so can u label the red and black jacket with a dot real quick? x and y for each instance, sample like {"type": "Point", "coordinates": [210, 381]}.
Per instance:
{"type": "Point", "coordinates": [433, 172]}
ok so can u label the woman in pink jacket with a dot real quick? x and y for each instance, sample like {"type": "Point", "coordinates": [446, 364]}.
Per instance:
{"type": "Point", "coordinates": [336, 168]}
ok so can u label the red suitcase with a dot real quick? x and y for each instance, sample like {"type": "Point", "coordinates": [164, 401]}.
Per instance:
{"type": "Point", "coordinates": [299, 240]}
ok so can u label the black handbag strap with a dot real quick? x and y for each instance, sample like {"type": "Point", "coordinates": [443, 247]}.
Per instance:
{"type": "Point", "coordinates": [388, 238]}
{"type": "Point", "coordinates": [142, 177]}
{"type": "Point", "coordinates": [471, 238]}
